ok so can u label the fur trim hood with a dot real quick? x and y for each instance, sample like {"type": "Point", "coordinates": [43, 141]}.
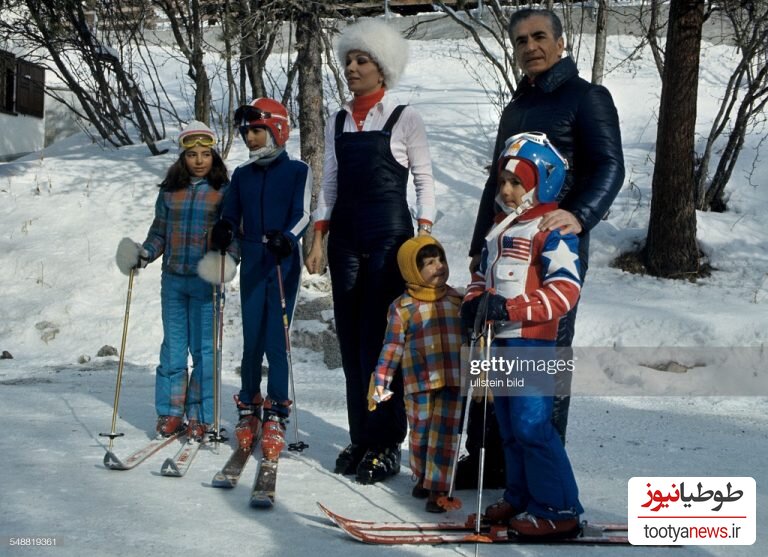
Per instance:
{"type": "Point", "coordinates": [386, 46]}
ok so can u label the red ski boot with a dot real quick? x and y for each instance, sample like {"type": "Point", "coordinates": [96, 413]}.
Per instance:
{"type": "Point", "coordinates": [169, 425]}
{"type": "Point", "coordinates": [248, 428]}
{"type": "Point", "coordinates": [197, 430]}
{"type": "Point", "coordinates": [273, 432]}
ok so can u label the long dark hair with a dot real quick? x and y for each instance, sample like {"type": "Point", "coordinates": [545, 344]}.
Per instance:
{"type": "Point", "coordinates": [178, 176]}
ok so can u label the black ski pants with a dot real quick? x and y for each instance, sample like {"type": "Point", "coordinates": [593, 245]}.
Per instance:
{"type": "Point", "coordinates": [365, 280]}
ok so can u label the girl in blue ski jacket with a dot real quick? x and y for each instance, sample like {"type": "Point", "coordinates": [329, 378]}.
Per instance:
{"type": "Point", "coordinates": [188, 205]}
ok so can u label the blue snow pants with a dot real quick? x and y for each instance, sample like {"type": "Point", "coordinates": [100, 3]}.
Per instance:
{"type": "Point", "coordinates": [539, 477]}
{"type": "Point", "coordinates": [187, 310]}
{"type": "Point", "coordinates": [263, 330]}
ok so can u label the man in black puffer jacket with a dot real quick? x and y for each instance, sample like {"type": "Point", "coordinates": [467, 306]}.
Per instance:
{"type": "Point", "coordinates": [581, 121]}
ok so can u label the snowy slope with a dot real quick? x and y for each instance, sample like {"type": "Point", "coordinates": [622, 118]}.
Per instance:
{"type": "Point", "coordinates": [63, 212]}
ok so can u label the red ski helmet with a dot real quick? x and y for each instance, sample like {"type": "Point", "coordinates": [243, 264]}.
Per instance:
{"type": "Point", "coordinates": [264, 113]}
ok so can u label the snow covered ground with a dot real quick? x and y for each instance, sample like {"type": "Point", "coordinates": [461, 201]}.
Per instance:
{"type": "Point", "coordinates": [62, 213]}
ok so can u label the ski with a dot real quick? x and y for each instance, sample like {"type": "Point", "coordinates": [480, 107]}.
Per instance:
{"type": "Point", "coordinates": [272, 442]}
{"type": "Point", "coordinates": [178, 465]}
{"type": "Point", "coordinates": [395, 533]}
{"type": "Point", "coordinates": [425, 526]}
{"type": "Point", "coordinates": [229, 475]}
{"type": "Point", "coordinates": [338, 520]}
{"type": "Point", "coordinates": [112, 462]}
{"type": "Point", "coordinates": [263, 492]}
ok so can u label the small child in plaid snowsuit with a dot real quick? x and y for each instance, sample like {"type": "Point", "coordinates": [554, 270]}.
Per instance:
{"type": "Point", "coordinates": [423, 339]}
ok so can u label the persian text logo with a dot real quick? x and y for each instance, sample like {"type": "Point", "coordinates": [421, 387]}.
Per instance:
{"type": "Point", "coordinates": [691, 511]}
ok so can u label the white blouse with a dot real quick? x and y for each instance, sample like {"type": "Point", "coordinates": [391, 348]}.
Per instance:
{"type": "Point", "coordinates": [409, 147]}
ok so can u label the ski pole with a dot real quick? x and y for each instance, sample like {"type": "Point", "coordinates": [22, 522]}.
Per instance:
{"type": "Point", "coordinates": [112, 434]}
{"type": "Point", "coordinates": [449, 502]}
{"type": "Point", "coordinates": [218, 334]}
{"type": "Point", "coordinates": [481, 324]}
{"type": "Point", "coordinates": [480, 472]}
{"type": "Point", "coordinates": [298, 446]}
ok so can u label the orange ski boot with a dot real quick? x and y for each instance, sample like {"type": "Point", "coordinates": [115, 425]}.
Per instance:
{"type": "Point", "coordinates": [273, 431]}
{"type": "Point", "coordinates": [248, 428]}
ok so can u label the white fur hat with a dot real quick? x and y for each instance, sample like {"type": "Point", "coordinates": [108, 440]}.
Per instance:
{"type": "Point", "coordinates": [386, 46]}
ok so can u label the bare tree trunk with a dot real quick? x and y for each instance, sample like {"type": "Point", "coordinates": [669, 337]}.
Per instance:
{"type": "Point", "coordinates": [601, 32]}
{"type": "Point", "coordinates": [260, 22]}
{"type": "Point", "coordinates": [197, 70]}
{"type": "Point", "coordinates": [746, 93]}
{"type": "Point", "coordinates": [187, 28]}
{"type": "Point", "coordinates": [309, 46]}
{"type": "Point", "coordinates": [149, 133]}
{"type": "Point", "coordinates": [671, 249]}
{"type": "Point", "coordinates": [569, 29]}
{"type": "Point", "coordinates": [653, 42]}
{"type": "Point", "coordinates": [229, 31]}
{"type": "Point", "coordinates": [249, 49]}
{"type": "Point", "coordinates": [715, 196]}
{"type": "Point", "coordinates": [339, 86]}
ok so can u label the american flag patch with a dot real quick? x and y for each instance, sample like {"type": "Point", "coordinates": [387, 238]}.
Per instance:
{"type": "Point", "coordinates": [517, 248]}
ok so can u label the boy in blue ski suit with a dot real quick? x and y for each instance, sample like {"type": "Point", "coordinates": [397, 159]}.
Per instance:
{"type": "Point", "coordinates": [268, 206]}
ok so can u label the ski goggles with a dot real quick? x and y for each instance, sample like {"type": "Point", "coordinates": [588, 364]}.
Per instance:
{"type": "Point", "coordinates": [189, 141]}
{"type": "Point", "coordinates": [247, 114]}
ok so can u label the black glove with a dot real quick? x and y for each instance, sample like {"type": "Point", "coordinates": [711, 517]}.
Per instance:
{"type": "Point", "coordinates": [279, 244]}
{"type": "Point", "coordinates": [497, 308]}
{"type": "Point", "coordinates": [222, 235]}
{"type": "Point", "coordinates": [468, 312]}
{"type": "Point", "coordinates": [492, 305]}
{"type": "Point", "coordinates": [143, 258]}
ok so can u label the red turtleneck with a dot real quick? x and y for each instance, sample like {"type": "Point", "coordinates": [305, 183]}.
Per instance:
{"type": "Point", "coordinates": [363, 104]}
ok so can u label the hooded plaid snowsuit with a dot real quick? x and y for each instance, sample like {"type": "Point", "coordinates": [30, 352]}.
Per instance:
{"type": "Point", "coordinates": [423, 339]}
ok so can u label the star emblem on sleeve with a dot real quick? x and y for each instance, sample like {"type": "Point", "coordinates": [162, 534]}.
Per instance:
{"type": "Point", "coordinates": [562, 258]}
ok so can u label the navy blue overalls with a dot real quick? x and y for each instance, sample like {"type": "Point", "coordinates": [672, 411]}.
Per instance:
{"type": "Point", "coordinates": [369, 222]}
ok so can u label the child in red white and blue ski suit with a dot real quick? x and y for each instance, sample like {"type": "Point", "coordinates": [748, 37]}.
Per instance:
{"type": "Point", "coordinates": [531, 279]}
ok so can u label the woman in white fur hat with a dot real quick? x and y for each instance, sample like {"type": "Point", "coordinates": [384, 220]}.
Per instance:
{"type": "Point", "coordinates": [188, 205]}
{"type": "Point", "coordinates": [370, 147]}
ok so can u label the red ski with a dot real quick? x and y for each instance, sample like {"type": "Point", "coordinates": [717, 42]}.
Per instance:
{"type": "Point", "coordinates": [395, 533]}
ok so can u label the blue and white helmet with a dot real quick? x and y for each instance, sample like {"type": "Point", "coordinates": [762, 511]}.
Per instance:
{"type": "Point", "coordinates": [550, 165]}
